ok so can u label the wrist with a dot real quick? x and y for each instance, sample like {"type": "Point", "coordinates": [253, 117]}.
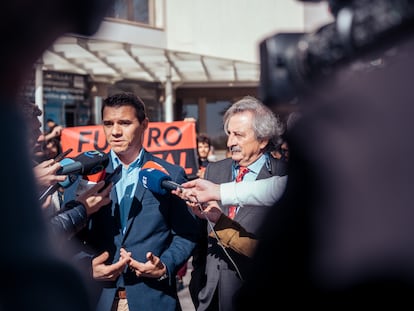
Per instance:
{"type": "Point", "coordinates": [165, 275]}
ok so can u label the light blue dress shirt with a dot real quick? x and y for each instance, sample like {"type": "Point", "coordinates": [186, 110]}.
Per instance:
{"type": "Point", "coordinates": [126, 186]}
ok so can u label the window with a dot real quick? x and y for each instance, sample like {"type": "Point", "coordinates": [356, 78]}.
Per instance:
{"type": "Point", "coordinates": [131, 10]}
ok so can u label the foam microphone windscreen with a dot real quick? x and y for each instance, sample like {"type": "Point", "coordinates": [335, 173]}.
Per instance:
{"type": "Point", "coordinates": [71, 177]}
{"type": "Point", "coordinates": [86, 163]}
{"type": "Point", "coordinates": [93, 161]}
{"type": "Point", "coordinates": [155, 177]}
{"type": "Point", "coordinates": [152, 179]}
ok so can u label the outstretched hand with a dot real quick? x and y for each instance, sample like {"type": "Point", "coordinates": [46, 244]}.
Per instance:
{"type": "Point", "coordinates": [198, 190]}
{"type": "Point", "coordinates": [152, 268]}
{"type": "Point", "coordinates": [94, 198]}
{"type": "Point", "coordinates": [103, 272]}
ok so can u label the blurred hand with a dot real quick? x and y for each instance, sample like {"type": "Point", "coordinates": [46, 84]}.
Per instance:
{"type": "Point", "coordinates": [210, 210]}
{"type": "Point", "coordinates": [103, 272]}
{"type": "Point", "coordinates": [93, 200]}
{"type": "Point", "coordinates": [198, 190]}
{"type": "Point", "coordinates": [152, 268]}
{"type": "Point", "coordinates": [45, 173]}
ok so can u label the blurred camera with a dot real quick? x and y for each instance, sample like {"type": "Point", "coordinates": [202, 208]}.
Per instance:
{"type": "Point", "coordinates": [292, 64]}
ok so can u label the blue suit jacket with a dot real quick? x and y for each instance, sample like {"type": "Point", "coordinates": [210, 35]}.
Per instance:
{"type": "Point", "coordinates": [162, 224]}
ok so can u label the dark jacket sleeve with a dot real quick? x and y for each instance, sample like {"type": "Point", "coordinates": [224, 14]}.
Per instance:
{"type": "Point", "coordinates": [70, 220]}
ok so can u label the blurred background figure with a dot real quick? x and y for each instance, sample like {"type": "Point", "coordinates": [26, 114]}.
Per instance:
{"type": "Point", "coordinates": [281, 152]}
{"type": "Point", "coordinates": [342, 236]}
{"type": "Point", "coordinates": [28, 28]}
{"type": "Point", "coordinates": [52, 148]}
{"type": "Point", "coordinates": [53, 130]}
{"type": "Point", "coordinates": [203, 153]}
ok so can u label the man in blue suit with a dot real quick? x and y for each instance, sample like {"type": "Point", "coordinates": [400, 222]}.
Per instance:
{"type": "Point", "coordinates": [142, 238]}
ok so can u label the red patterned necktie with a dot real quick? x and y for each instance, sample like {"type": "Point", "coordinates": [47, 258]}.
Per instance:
{"type": "Point", "coordinates": [242, 171]}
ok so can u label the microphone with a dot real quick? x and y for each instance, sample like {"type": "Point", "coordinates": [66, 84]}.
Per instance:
{"type": "Point", "coordinates": [155, 178]}
{"type": "Point", "coordinates": [86, 163]}
{"type": "Point", "coordinates": [70, 179]}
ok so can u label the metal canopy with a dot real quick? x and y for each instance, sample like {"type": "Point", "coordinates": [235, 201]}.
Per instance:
{"type": "Point", "coordinates": [109, 62]}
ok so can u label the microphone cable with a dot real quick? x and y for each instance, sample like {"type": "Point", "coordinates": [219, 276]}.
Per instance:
{"type": "Point", "coordinates": [200, 207]}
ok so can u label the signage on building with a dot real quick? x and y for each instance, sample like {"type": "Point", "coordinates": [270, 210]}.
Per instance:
{"type": "Point", "coordinates": [174, 142]}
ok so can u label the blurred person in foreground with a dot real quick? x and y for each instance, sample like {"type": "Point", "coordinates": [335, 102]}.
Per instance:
{"type": "Point", "coordinates": [342, 236]}
{"type": "Point", "coordinates": [249, 126]}
{"type": "Point", "coordinates": [68, 219]}
{"type": "Point", "coordinates": [138, 243]}
{"type": "Point", "coordinates": [29, 261]}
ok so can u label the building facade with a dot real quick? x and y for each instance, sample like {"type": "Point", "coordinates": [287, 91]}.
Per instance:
{"type": "Point", "coordinates": [184, 58]}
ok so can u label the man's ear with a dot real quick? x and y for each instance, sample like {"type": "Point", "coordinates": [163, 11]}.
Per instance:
{"type": "Point", "coordinates": [145, 123]}
{"type": "Point", "coordinates": [263, 144]}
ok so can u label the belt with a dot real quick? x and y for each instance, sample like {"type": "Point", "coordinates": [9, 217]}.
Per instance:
{"type": "Point", "coordinates": [121, 293]}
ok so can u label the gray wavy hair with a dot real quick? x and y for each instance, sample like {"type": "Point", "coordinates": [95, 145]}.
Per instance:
{"type": "Point", "coordinates": [265, 124]}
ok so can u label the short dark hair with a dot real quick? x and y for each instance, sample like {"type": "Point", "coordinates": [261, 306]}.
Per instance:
{"type": "Point", "coordinates": [126, 99]}
{"type": "Point", "coordinates": [203, 138]}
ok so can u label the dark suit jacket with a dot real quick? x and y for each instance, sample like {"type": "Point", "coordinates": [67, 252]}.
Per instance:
{"type": "Point", "coordinates": [219, 269]}
{"type": "Point", "coordinates": [162, 224]}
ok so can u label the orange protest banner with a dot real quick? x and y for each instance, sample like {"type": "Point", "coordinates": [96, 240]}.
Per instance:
{"type": "Point", "coordinates": [174, 142]}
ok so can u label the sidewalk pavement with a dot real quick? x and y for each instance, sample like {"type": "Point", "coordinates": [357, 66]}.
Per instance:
{"type": "Point", "coordinates": [184, 294]}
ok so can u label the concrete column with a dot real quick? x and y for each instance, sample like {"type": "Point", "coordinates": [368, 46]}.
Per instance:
{"type": "Point", "coordinates": [97, 106]}
{"type": "Point", "coordinates": [202, 115]}
{"type": "Point", "coordinates": [169, 97]}
{"type": "Point", "coordinates": [39, 90]}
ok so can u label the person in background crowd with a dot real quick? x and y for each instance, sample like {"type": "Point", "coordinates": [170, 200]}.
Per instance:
{"type": "Point", "coordinates": [53, 130]}
{"type": "Point", "coordinates": [53, 148]}
{"type": "Point", "coordinates": [249, 126]}
{"type": "Point", "coordinates": [138, 243]}
{"type": "Point", "coordinates": [203, 151]}
{"type": "Point", "coordinates": [281, 152]}
{"type": "Point", "coordinates": [37, 278]}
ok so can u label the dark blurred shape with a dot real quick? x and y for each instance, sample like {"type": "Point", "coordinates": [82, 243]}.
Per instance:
{"type": "Point", "coordinates": [37, 277]}
{"type": "Point", "coordinates": [342, 236]}
{"type": "Point", "coordinates": [292, 64]}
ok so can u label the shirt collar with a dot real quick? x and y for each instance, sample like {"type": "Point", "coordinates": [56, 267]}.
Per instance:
{"type": "Point", "coordinates": [255, 167]}
{"type": "Point", "coordinates": [136, 163]}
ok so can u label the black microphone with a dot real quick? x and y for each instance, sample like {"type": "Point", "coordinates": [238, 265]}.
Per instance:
{"type": "Point", "coordinates": [155, 178]}
{"type": "Point", "coordinates": [86, 163]}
